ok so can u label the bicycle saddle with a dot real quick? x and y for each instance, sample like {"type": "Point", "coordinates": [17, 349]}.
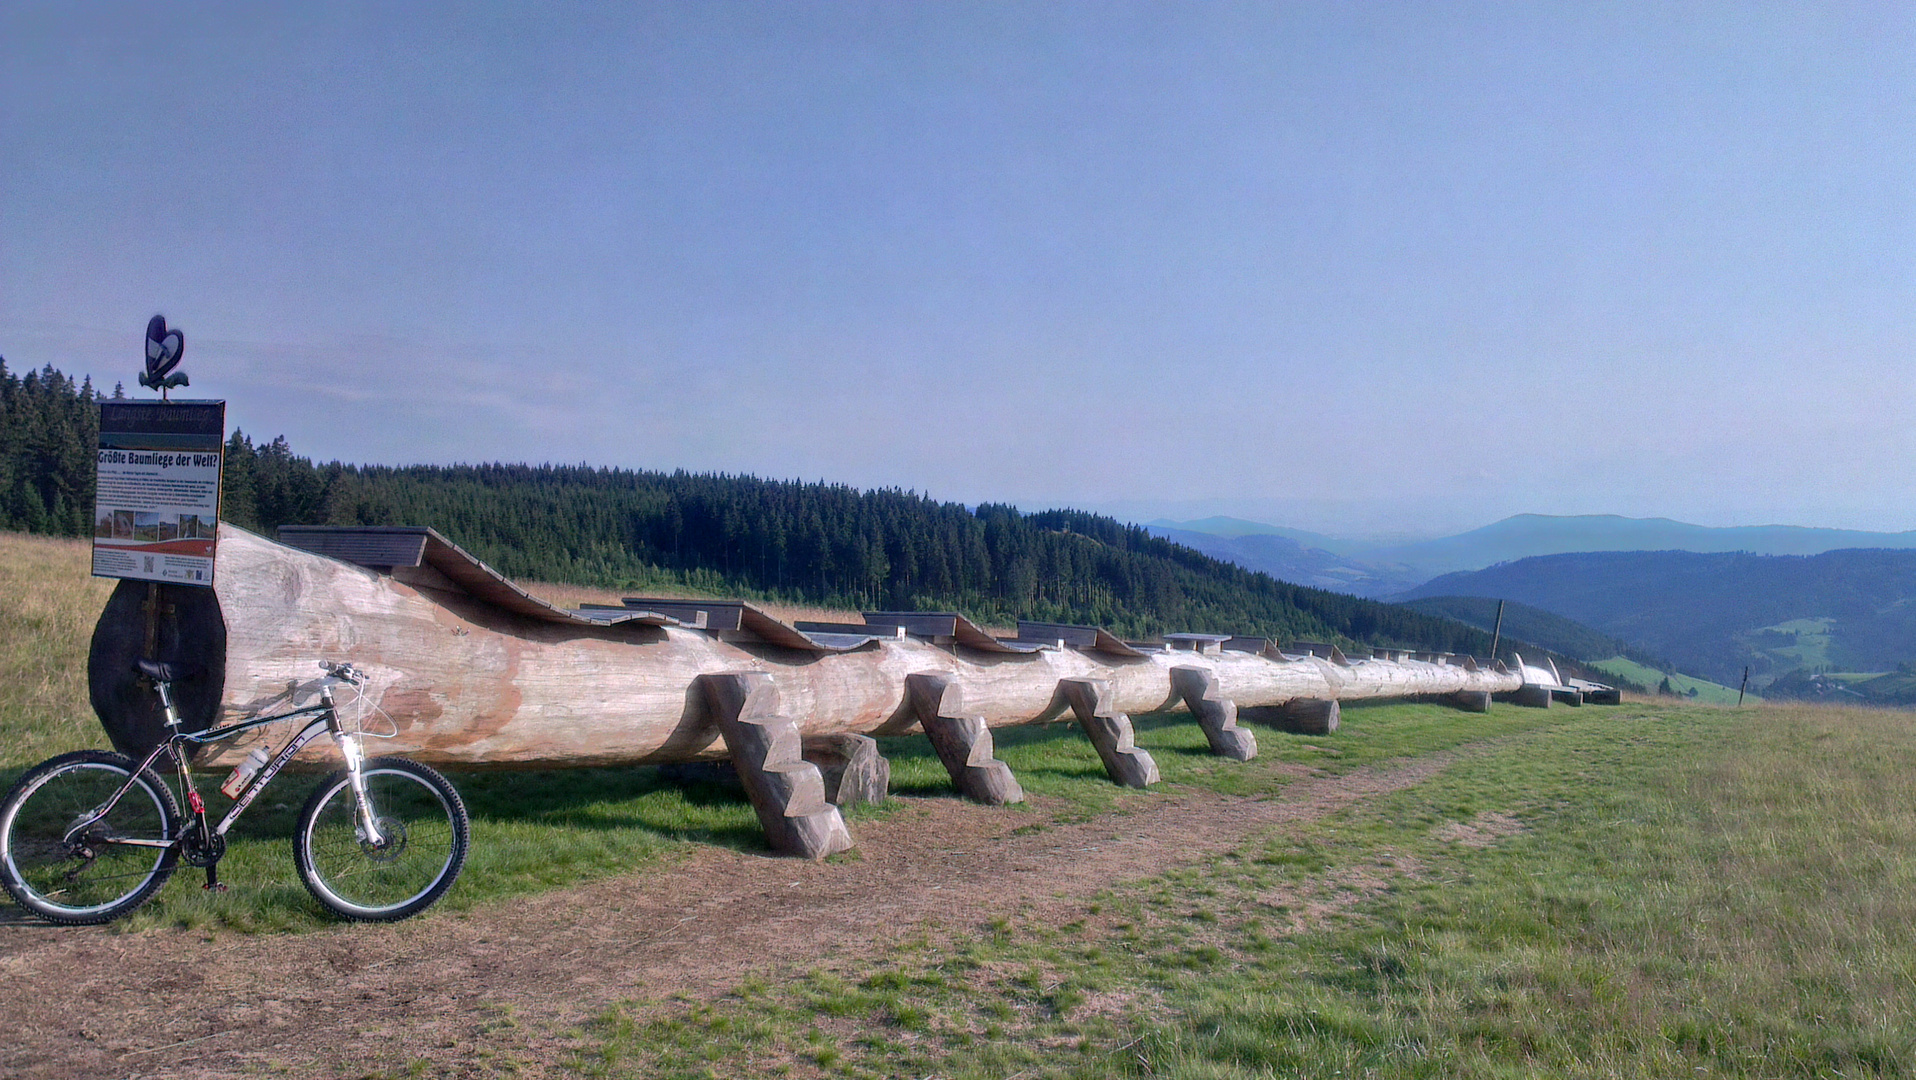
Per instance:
{"type": "Point", "coordinates": [163, 672]}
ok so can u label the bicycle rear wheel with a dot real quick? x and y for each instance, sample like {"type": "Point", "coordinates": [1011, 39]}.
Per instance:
{"type": "Point", "coordinates": [423, 837]}
{"type": "Point", "coordinates": [63, 850]}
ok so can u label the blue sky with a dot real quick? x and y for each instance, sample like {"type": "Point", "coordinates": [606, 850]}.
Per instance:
{"type": "Point", "coordinates": [1352, 267]}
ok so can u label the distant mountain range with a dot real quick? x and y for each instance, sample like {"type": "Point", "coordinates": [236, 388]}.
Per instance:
{"type": "Point", "coordinates": [1526, 535]}
{"type": "Point", "coordinates": [1535, 626]}
{"type": "Point", "coordinates": [1788, 602]}
{"type": "Point", "coordinates": [1379, 570]}
{"type": "Point", "coordinates": [1288, 559]}
{"type": "Point", "coordinates": [1712, 613]}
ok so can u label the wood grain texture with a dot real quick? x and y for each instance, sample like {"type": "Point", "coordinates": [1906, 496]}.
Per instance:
{"type": "Point", "coordinates": [1110, 732]}
{"type": "Point", "coordinates": [1216, 714]}
{"type": "Point", "coordinates": [963, 743]}
{"type": "Point", "coordinates": [787, 791]}
{"type": "Point", "coordinates": [466, 683]}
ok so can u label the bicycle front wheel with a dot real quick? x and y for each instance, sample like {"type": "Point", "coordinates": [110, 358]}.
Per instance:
{"type": "Point", "coordinates": [423, 834]}
{"type": "Point", "coordinates": [73, 854]}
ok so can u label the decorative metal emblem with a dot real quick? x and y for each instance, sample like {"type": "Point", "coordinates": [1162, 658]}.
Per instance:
{"type": "Point", "coordinates": [163, 351]}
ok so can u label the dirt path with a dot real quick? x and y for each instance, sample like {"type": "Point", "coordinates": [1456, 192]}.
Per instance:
{"type": "Point", "coordinates": [512, 978]}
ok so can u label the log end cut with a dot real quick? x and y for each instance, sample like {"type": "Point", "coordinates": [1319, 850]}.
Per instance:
{"type": "Point", "coordinates": [175, 624]}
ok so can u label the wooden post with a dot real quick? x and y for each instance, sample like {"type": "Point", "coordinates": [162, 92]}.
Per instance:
{"type": "Point", "coordinates": [145, 620]}
{"type": "Point", "coordinates": [1531, 696]}
{"type": "Point", "coordinates": [963, 743]}
{"type": "Point", "coordinates": [1216, 714]}
{"type": "Point", "coordinates": [1497, 632]}
{"type": "Point", "coordinates": [151, 607]}
{"type": "Point", "coordinates": [1109, 731]}
{"type": "Point", "coordinates": [852, 768]}
{"type": "Point", "coordinates": [1471, 700]}
{"type": "Point", "coordinates": [1745, 686]}
{"type": "Point", "coordinates": [1305, 716]}
{"type": "Point", "coordinates": [787, 791]}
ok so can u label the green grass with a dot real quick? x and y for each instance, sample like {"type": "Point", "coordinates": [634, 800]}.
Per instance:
{"type": "Point", "coordinates": [534, 831]}
{"type": "Point", "coordinates": [1809, 647]}
{"type": "Point", "coordinates": [1661, 890]}
{"type": "Point", "coordinates": [48, 603]}
{"type": "Point", "coordinates": [1707, 692]}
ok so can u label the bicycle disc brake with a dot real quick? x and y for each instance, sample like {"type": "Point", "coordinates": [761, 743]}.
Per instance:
{"type": "Point", "coordinates": [392, 845]}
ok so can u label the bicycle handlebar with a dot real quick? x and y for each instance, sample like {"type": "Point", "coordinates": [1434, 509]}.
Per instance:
{"type": "Point", "coordinates": [344, 672]}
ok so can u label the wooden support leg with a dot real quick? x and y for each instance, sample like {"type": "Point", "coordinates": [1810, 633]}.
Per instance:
{"type": "Point", "coordinates": [853, 770]}
{"type": "Point", "coordinates": [785, 789]}
{"type": "Point", "coordinates": [962, 742]}
{"type": "Point", "coordinates": [1216, 714]}
{"type": "Point", "coordinates": [1110, 732]}
{"type": "Point", "coordinates": [1471, 700]}
{"type": "Point", "coordinates": [1305, 716]}
{"type": "Point", "coordinates": [1531, 696]}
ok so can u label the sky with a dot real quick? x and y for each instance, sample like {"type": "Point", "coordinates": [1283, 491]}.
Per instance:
{"type": "Point", "coordinates": [1366, 269]}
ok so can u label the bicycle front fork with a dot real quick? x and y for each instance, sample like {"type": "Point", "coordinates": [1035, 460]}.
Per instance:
{"type": "Point", "coordinates": [355, 756]}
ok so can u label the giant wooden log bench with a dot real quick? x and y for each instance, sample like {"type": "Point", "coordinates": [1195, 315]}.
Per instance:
{"type": "Point", "coordinates": [475, 672]}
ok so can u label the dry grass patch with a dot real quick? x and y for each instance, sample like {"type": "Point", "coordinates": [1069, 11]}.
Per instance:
{"type": "Point", "coordinates": [1311, 904]}
{"type": "Point", "coordinates": [1481, 831]}
{"type": "Point", "coordinates": [49, 601]}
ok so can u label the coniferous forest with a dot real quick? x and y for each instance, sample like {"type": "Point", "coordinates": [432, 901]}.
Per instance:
{"type": "Point", "coordinates": [816, 543]}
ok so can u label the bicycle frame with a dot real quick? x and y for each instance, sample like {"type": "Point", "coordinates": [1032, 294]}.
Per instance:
{"type": "Point", "coordinates": [325, 721]}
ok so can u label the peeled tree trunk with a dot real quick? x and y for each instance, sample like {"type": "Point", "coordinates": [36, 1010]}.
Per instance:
{"type": "Point", "coordinates": [471, 671]}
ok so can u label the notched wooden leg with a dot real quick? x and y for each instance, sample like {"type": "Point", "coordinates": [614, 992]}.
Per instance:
{"type": "Point", "coordinates": [1216, 714]}
{"type": "Point", "coordinates": [852, 768]}
{"type": "Point", "coordinates": [1109, 731]}
{"type": "Point", "coordinates": [963, 743]}
{"type": "Point", "coordinates": [787, 791]}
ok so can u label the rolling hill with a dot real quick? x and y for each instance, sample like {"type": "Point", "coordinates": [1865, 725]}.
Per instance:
{"type": "Point", "coordinates": [1384, 570]}
{"type": "Point", "coordinates": [1288, 559]}
{"type": "Point", "coordinates": [1534, 625]}
{"type": "Point", "coordinates": [1526, 535]}
{"type": "Point", "coordinates": [1712, 613]}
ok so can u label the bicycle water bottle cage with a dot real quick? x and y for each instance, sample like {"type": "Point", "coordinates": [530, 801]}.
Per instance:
{"type": "Point", "coordinates": [163, 672]}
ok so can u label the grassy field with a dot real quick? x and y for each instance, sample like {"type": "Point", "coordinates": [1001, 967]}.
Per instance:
{"type": "Point", "coordinates": [1656, 890]}
{"type": "Point", "coordinates": [1810, 647]}
{"type": "Point", "coordinates": [1708, 693]}
{"type": "Point", "coordinates": [48, 603]}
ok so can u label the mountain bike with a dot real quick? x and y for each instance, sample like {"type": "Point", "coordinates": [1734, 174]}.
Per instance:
{"type": "Point", "coordinates": [89, 836]}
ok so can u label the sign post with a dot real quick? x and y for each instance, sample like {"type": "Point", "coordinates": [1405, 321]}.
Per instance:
{"type": "Point", "coordinates": [157, 478]}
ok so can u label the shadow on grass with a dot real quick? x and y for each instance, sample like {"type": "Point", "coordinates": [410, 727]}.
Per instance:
{"type": "Point", "coordinates": [612, 800]}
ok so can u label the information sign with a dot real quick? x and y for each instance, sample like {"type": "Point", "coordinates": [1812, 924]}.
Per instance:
{"type": "Point", "coordinates": [157, 508]}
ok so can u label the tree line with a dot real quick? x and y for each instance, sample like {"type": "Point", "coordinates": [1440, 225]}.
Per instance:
{"type": "Point", "coordinates": [817, 543]}
{"type": "Point", "coordinates": [49, 431]}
